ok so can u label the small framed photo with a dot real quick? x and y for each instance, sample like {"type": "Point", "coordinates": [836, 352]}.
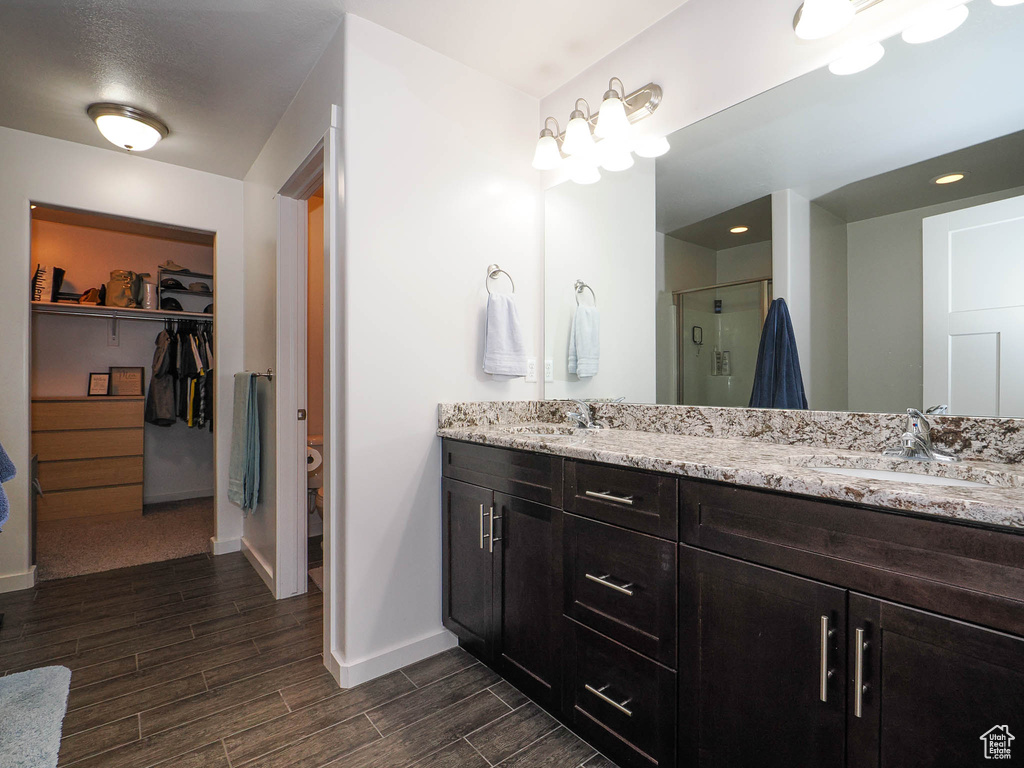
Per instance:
{"type": "Point", "coordinates": [127, 381]}
{"type": "Point", "coordinates": [99, 384]}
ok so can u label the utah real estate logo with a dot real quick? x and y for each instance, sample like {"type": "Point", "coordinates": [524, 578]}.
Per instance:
{"type": "Point", "coordinates": [997, 742]}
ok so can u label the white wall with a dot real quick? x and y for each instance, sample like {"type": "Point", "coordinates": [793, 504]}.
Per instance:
{"type": "Point", "coordinates": [829, 331]}
{"type": "Point", "coordinates": [603, 234]}
{"type": "Point", "coordinates": [66, 174]}
{"type": "Point", "coordinates": [744, 262]}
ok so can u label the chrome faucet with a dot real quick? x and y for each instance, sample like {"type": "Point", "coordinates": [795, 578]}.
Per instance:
{"type": "Point", "coordinates": [585, 418]}
{"type": "Point", "coordinates": [916, 442]}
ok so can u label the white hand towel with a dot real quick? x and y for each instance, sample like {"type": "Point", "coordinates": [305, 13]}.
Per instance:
{"type": "Point", "coordinates": [585, 342]}
{"type": "Point", "coordinates": [504, 350]}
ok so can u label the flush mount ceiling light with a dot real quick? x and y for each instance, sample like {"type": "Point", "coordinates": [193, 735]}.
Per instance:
{"type": "Point", "coordinates": [614, 127]}
{"type": "Point", "coordinates": [938, 21]}
{"type": "Point", "coordinates": [739, 230]}
{"type": "Point", "coordinates": [127, 127]}
{"type": "Point", "coordinates": [857, 59]}
{"type": "Point", "coordinates": [949, 178]}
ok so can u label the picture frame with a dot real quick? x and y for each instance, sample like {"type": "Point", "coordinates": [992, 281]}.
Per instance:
{"type": "Point", "coordinates": [99, 384]}
{"type": "Point", "coordinates": [127, 381]}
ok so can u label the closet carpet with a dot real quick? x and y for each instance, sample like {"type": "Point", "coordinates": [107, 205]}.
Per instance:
{"type": "Point", "coordinates": [165, 531]}
{"type": "Point", "coordinates": [193, 664]}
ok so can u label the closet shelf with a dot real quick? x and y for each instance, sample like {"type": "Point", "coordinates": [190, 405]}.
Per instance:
{"type": "Point", "coordinates": [121, 313]}
{"type": "Point", "coordinates": [187, 292]}
{"type": "Point", "coordinates": [184, 273]}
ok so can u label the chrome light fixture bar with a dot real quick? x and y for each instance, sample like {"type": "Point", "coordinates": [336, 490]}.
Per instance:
{"type": "Point", "coordinates": [604, 138]}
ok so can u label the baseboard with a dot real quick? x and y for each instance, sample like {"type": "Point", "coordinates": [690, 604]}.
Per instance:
{"type": "Point", "coordinates": [261, 566]}
{"type": "Point", "coordinates": [12, 582]}
{"type": "Point", "coordinates": [352, 674]}
{"type": "Point", "coordinates": [160, 498]}
{"type": "Point", "coordinates": [224, 546]}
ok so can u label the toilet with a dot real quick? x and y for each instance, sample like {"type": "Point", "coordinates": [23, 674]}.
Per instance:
{"type": "Point", "coordinates": [315, 474]}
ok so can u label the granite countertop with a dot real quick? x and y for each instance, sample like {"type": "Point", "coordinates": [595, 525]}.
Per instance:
{"type": "Point", "coordinates": [777, 467]}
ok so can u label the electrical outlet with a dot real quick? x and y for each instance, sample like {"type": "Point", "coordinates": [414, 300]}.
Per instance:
{"type": "Point", "coordinates": [531, 369]}
{"type": "Point", "coordinates": [113, 337]}
{"type": "Point", "coordinates": [549, 370]}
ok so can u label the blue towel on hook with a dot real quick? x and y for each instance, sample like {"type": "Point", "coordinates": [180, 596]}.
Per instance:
{"type": "Point", "coordinates": [244, 466]}
{"type": "Point", "coordinates": [7, 472]}
{"type": "Point", "coordinates": [777, 380]}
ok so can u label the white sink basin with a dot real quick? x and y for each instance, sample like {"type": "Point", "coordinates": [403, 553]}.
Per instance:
{"type": "Point", "coordinates": [900, 477]}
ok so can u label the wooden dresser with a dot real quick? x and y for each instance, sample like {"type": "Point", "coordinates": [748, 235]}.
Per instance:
{"type": "Point", "coordinates": [90, 456]}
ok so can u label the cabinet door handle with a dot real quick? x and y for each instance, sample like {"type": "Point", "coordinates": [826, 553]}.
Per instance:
{"type": "Point", "coordinates": [599, 692]}
{"type": "Point", "coordinates": [481, 526]}
{"type": "Point", "coordinates": [490, 533]}
{"type": "Point", "coordinates": [605, 496]}
{"type": "Point", "coordinates": [825, 673]}
{"type": "Point", "coordinates": [858, 675]}
{"type": "Point", "coordinates": [603, 581]}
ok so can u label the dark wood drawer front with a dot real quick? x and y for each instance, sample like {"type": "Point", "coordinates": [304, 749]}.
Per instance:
{"type": "Point", "coordinates": [622, 584]}
{"type": "Point", "coordinates": [532, 476]}
{"type": "Point", "coordinates": [620, 701]}
{"type": "Point", "coordinates": [642, 501]}
{"type": "Point", "coordinates": [969, 573]}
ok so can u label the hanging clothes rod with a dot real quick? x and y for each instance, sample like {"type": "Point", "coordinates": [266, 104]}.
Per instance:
{"type": "Point", "coordinates": [116, 313]}
{"type": "Point", "coordinates": [493, 271]}
{"type": "Point", "coordinates": [580, 288]}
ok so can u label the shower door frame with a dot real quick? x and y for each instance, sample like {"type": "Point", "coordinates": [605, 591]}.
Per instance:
{"type": "Point", "coordinates": [677, 301]}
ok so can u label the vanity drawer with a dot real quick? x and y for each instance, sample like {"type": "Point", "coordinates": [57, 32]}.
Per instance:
{"type": "Point", "coordinates": [531, 476]}
{"type": "Point", "coordinates": [618, 700]}
{"type": "Point", "coordinates": [642, 501]}
{"type": "Point", "coordinates": [622, 584]}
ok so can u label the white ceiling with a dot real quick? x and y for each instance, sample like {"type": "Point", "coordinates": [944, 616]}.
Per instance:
{"type": "Point", "coordinates": [221, 73]}
{"type": "Point", "coordinates": [820, 133]}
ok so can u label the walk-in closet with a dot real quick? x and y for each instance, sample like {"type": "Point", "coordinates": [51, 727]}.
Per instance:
{"type": "Point", "coordinates": [122, 413]}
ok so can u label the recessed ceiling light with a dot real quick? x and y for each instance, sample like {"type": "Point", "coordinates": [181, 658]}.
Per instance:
{"type": "Point", "coordinates": [739, 230]}
{"type": "Point", "coordinates": [949, 178]}
{"type": "Point", "coordinates": [127, 127]}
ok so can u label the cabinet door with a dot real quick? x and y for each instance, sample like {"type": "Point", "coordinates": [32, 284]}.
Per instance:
{"type": "Point", "coordinates": [761, 666]}
{"type": "Point", "coordinates": [467, 571]}
{"type": "Point", "coordinates": [530, 562]}
{"type": "Point", "coordinates": [935, 692]}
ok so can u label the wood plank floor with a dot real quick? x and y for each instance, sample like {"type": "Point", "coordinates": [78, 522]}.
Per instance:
{"type": "Point", "coordinates": [192, 664]}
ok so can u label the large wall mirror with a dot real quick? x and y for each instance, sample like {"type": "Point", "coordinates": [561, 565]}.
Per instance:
{"type": "Point", "coordinates": [904, 292]}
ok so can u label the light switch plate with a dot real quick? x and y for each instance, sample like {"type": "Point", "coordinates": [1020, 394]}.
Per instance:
{"type": "Point", "coordinates": [531, 369]}
{"type": "Point", "coordinates": [549, 370]}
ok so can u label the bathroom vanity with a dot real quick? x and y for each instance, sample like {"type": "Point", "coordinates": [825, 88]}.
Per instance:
{"type": "Point", "coordinates": [685, 600]}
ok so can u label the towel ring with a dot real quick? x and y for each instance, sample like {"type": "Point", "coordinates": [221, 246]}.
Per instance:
{"type": "Point", "coordinates": [580, 287]}
{"type": "Point", "coordinates": [492, 273]}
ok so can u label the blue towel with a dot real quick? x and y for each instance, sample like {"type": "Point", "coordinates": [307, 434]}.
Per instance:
{"type": "Point", "coordinates": [7, 472]}
{"type": "Point", "coordinates": [777, 380]}
{"type": "Point", "coordinates": [244, 467]}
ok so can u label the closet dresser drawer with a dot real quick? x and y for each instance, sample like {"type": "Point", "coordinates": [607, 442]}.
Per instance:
{"type": "Point", "coordinates": [90, 453]}
{"type": "Point", "coordinates": [623, 584]}
{"type": "Point", "coordinates": [621, 702]}
{"type": "Point", "coordinates": [641, 501]}
{"type": "Point", "coordinates": [531, 476]}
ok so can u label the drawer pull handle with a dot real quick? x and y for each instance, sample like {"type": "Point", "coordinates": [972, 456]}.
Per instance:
{"type": "Point", "coordinates": [603, 580]}
{"type": "Point", "coordinates": [599, 692]}
{"type": "Point", "coordinates": [482, 534]}
{"type": "Point", "coordinates": [490, 535]}
{"type": "Point", "coordinates": [858, 675]}
{"type": "Point", "coordinates": [826, 673]}
{"type": "Point", "coordinates": [605, 496]}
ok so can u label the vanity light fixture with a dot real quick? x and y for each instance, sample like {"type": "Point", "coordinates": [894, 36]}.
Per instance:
{"type": "Point", "coordinates": [127, 127]}
{"type": "Point", "coordinates": [613, 126]}
{"type": "Point", "coordinates": [938, 21]}
{"type": "Point", "coordinates": [817, 19]}
{"type": "Point", "coordinates": [949, 178]}
{"type": "Point", "coordinates": [856, 60]}
{"type": "Point", "coordinates": [739, 230]}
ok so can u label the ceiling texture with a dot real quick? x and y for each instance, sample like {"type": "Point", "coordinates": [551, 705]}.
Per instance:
{"type": "Point", "coordinates": [221, 73]}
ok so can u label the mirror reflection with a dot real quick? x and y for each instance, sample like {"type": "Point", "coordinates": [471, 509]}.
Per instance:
{"type": "Point", "coordinates": [886, 208]}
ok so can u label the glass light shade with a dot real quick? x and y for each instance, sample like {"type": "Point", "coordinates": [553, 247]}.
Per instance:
{"type": "Point", "coordinates": [935, 24]}
{"type": "Point", "coordinates": [612, 122]}
{"type": "Point", "coordinates": [857, 60]}
{"type": "Point", "coordinates": [821, 18]}
{"type": "Point", "coordinates": [578, 139]}
{"type": "Point", "coordinates": [547, 157]}
{"type": "Point", "coordinates": [127, 132]}
{"type": "Point", "coordinates": [615, 155]}
{"type": "Point", "coordinates": [650, 146]}
{"type": "Point", "coordinates": [582, 170]}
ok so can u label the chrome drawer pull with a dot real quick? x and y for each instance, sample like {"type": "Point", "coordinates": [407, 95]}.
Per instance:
{"type": "Point", "coordinates": [826, 633]}
{"type": "Point", "coordinates": [603, 580]}
{"type": "Point", "coordinates": [599, 692]}
{"type": "Point", "coordinates": [481, 526]}
{"type": "Point", "coordinates": [605, 496]}
{"type": "Point", "coordinates": [490, 535]}
{"type": "Point", "coordinates": [858, 675]}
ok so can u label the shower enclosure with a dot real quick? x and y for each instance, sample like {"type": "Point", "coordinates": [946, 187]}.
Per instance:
{"type": "Point", "coordinates": [718, 330]}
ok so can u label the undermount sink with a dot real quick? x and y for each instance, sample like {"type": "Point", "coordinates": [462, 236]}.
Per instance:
{"type": "Point", "coordinates": [900, 477]}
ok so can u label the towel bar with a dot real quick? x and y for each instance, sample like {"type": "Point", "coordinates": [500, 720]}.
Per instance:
{"type": "Point", "coordinates": [269, 375]}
